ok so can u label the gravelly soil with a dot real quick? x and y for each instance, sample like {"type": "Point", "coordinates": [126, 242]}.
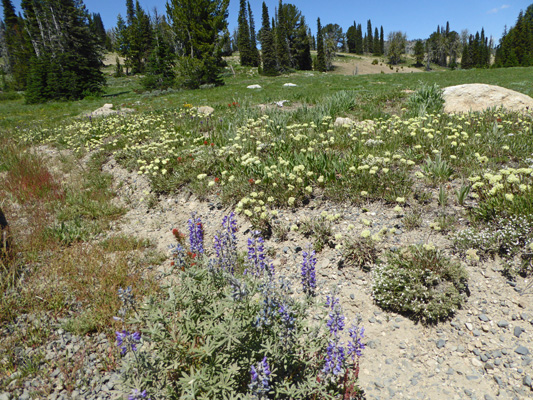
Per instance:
{"type": "Point", "coordinates": [484, 352]}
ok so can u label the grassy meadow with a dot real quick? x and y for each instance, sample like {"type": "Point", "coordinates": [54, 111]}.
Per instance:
{"type": "Point", "coordinates": [259, 160]}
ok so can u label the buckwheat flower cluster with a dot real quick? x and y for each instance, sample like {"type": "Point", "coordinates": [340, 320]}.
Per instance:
{"type": "Point", "coordinates": [226, 244]}
{"type": "Point", "coordinates": [196, 235]}
{"type": "Point", "coordinates": [257, 263]}
{"type": "Point", "coordinates": [308, 272]}
{"type": "Point", "coordinates": [260, 379]}
{"type": "Point", "coordinates": [127, 341]}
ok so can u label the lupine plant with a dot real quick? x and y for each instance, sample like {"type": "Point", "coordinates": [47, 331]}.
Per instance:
{"type": "Point", "coordinates": [308, 272]}
{"type": "Point", "coordinates": [222, 334]}
{"type": "Point", "coordinates": [196, 235]}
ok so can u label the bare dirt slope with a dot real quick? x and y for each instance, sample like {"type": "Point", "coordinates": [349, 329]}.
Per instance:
{"type": "Point", "coordinates": [362, 65]}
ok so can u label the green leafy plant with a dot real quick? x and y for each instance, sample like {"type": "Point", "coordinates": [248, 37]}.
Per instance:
{"type": "Point", "coordinates": [437, 170]}
{"type": "Point", "coordinates": [216, 331]}
{"type": "Point", "coordinates": [426, 100]}
{"type": "Point", "coordinates": [421, 283]}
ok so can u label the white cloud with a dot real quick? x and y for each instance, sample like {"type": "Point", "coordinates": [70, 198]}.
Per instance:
{"type": "Point", "coordinates": [497, 9]}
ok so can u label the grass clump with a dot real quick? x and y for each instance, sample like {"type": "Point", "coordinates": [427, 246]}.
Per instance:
{"type": "Point", "coordinates": [421, 283]}
{"type": "Point", "coordinates": [360, 253]}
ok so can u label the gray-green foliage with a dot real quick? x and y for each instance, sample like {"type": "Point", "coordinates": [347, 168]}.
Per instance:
{"type": "Point", "coordinates": [203, 336]}
{"type": "Point", "coordinates": [421, 283]}
{"type": "Point", "coordinates": [426, 100]}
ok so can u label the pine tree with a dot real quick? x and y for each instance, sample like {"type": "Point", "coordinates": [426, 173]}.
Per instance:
{"type": "Point", "coordinates": [160, 65]}
{"type": "Point", "coordinates": [66, 62]}
{"type": "Point", "coordinates": [267, 45]}
{"type": "Point", "coordinates": [369, 37]}
{"type": "Point", "coordinates": [282, 44]}
{"type": "Point", "coordinates": [359, 44]}
{"type": "Point", "coordinates": [253, 43]}
{"type": "Point", "coordinates": [516, 45]}
{"type": "Point", "coordinates": [321, 55]}
{"type": "Point", "coordinates": [377, 47]}
{"type": "Point", "coordinates": [302, 48]}
{"type": "Point", "coordinates": [419, 53]}
{"type": "Point", "coordinates": [243, 37]}
{"type": "Point", "coordinates": [351, 38]}
{"type": "Point", "coordinates": [197, 24]}
{"type": "Point", "coordinates": [381, 41]}
{"type": "Point", "coordinates": [16, 46]}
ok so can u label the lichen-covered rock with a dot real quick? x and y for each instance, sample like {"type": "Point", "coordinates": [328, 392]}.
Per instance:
{"type": "Point", "coordinates": [479, 97]}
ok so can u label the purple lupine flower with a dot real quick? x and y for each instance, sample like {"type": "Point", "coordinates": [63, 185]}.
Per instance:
{"type": "Point", "coordinates": [136, 395]}
{"type": "Point", "coordinates": [336, 319]}
{"type": "Point", "coordinates": [356, 345]}
{"type": "Point", "coordinates": [257, 263]}
{"type": "Point", "coordinates": [308, 272]}
{"type": "Point", "coordinates": [196, 235]}
{"type": "Point", "coordinates": [260, 379]}
{"type": "Point", "coordinates": [334, 358]}
{"type": "Point", "coordinates": [126, 340]}
{"type": "Point", "coordinates": [269, 309]}
{"type": "Point", "coordinates": [226, 244]}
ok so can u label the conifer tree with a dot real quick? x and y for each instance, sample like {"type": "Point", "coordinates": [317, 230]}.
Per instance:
{"type": "Point", "coordinates": [253, 42]}
{"type": "Point", "coordinates": [351, 38]}
{"type": "Point", "coordinates": [381, 41]}
{"type": "Point", "coordinates": [302, 48]}
{"type": "Point", "coordinates": [321, 55]}
{"type": "Point", "coordinates": [66, 62]}
{"type": "Point", "coordinates": [376, 45]}
{"type": "Point", "coordinates": [197, 25]}
{"type": "Point", "coordinates": [369, 37]}
{"type": "Point", "coordinates": [419, 53]}
{"type": "Point", "coordinates": [282, 44]}
{"type": "Point", "coordinates": [243, 37]}
{"type": "Point", "coordinates": [516, 45]}
{"type": "Point", "coordinates": [267, 45]}
{"type": "Point", "coordinates": [16, 46]}
{"type": "Point", "coordinates": [359, 43]}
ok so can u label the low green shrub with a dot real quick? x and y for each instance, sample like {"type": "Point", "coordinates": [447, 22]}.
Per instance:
{"type": "Point", "coordinates": [421, 283]}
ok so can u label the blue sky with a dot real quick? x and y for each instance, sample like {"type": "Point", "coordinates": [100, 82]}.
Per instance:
{"type": "Point", "coordinates": [417, 18]}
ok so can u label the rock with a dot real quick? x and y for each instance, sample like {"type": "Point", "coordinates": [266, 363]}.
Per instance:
{"type": "Point", "coordinates": [206, 110]}
{"type": "Point", "coordinates": [253, 87]}
{"type": "Point", "coordinates": [476, 363]}
{"type": "Point", "coordinates": [281, 103]}
{"type": "Point", "coordinates": [483, 318]}
{"type": "Point", "coordinates": [343, 121]}
{"type": "Point", "coordinates": [441, 343]}
{"type": "Point", "coordinates": [479, 97]}
{"type": "Point", "coordinates": [503, 324]}
{"type": "Point", "coordinates": [290, 85]}
{"type": "Point", "coordinates": [107, 109]}
{"type": "Point", "coordinates": [522, 350]}
{"type": "Point", "coordinates": [518, 331]}
{"type": "Point", "coordinates": [527, 381]}
{"type": "Point", "coordinates": [469, 326]}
